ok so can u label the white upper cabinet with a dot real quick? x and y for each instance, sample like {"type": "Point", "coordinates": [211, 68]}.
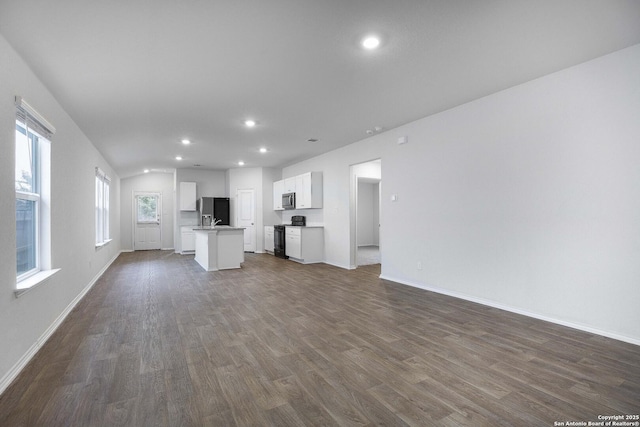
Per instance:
{"type": "Point", "coordinates": [187, 196]}
{"type": "Point", "coordinates": [309, 190]}
{"type": "Point", "coordinates": [289, 185]}
{"type": "Point", "coordinates": [278, 189]}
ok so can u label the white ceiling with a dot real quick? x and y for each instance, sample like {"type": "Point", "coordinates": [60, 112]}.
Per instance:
{"type": "Point", "coordinates": [139, 75]}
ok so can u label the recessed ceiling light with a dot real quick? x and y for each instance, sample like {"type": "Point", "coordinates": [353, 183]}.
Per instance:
{"type": "Point", "coordinates": [370, 42]}
{"type": "Point", "coordinates": [240, 163]}
{"type": "Point", "coordinates": [263, 150]}
{"type": "Point", "coordinates": [178, 157]}
{"type": "Point", "coordinates": [186, 141]}
{"type": "Point", "coordinates": [146, 171]}
{"type": "Point", "coordinates": [249, 123]}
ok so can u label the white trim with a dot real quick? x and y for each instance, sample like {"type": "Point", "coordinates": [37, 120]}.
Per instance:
{"type": "Point", "coordinates": [34, 197]}
{"type": "Point", "coordinates": [21, 103]}
{"type": "Point", "coordinates": [102, 208]}
{"type": "Point", "coordinates": [338, 265]}
{"type": "Point", "coordinates": [33, 281]}
{"type": "Point", "coordinates": [104, 243]}
{"type": "Point", "coordinates": [578, 326]}
{"type": "Point", "coordinates": [22, 362]}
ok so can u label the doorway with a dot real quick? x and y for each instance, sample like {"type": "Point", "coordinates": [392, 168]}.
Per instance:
{"type": "Point", "coordinates": [147, 233]}
{"type": "Point", "coordinates": [365, 213]}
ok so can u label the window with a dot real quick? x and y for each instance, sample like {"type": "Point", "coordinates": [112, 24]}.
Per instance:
{"type": "Point", "coordinates": [147, 209]}
{"type": "Point", "coordinates": [102, 208]}
{"type": "Point", "coordinates": [32, 174]}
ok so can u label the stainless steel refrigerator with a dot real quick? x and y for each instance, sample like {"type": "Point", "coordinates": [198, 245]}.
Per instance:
{"type": "Point", "coordinates": [211, 209]}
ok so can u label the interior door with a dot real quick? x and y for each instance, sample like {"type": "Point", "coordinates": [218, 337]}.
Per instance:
{"type": "Point", "coordinates": [246, 217]}
{"type": "Point", "coordinates": [146, 212]}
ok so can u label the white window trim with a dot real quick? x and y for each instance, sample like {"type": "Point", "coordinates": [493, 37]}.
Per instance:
{"type": "Point", "coordinates": [33, 281]}
{"type": "Point", "coordinates": [105, 209]}
{"type": "Point", "coordinates": [104, 243]}
{"type": "Point", "coordinates": [43, 270]}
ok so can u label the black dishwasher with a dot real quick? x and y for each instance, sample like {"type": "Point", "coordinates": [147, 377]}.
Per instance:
{"type": "Point", "coordinates": [278, 242]}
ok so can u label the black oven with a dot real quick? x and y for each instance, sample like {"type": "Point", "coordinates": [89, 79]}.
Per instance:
{"type": "Point", "coordinates": [278, 241]}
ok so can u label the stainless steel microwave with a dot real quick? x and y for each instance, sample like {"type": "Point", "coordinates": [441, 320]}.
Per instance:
{"type": "Point", "coordinates": [289, 201]}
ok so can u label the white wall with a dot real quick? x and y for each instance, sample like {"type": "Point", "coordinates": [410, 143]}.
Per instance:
{"type": "Point", "coordinates": [32, 317]}
{"type": "Point", "coordinates": [372, 169]}
{"type": "Point", "coordinates": [366, 210]}
{"type": "Point", "coordinates": [154, 183]}
{"type": "Point", "coordinates": [527, 199]}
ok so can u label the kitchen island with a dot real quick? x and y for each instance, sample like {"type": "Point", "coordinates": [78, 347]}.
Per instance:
{"type": "Point", "coordinates": [220, 247]}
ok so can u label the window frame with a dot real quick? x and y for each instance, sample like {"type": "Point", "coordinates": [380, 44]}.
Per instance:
{"type": "Point", "coordinates": [102, 208]}
{"type": "Point", "coordinates": [38, 132]}
{"type": "Point", "coordinates": [34, 139]}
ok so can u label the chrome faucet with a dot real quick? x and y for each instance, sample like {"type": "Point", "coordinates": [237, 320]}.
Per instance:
{"type": "Point", "coordinates": [216, 222]}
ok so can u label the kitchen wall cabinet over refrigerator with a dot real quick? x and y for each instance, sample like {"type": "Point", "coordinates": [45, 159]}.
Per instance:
{"type": "Point", "coordinates": [187, 196]}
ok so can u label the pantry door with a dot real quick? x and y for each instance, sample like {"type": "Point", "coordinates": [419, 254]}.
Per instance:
{"type": "Point", "coordinates": [246, 217]}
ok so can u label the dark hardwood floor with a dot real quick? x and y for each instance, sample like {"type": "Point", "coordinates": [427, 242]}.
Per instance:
{"type": "Point", "coordinates": [160, 342]}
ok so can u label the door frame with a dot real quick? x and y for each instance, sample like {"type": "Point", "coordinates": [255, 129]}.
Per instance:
{"type": "Point", "coordinates": [134, 214]}
{"type": "Point", "coordinates": [353, 212]}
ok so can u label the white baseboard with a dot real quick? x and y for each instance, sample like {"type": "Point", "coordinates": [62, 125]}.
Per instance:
{"type": "Point", "coordinates": [15, 370]}
{"type": "Point", "coordinates": [578, 326]}
{"type": "Point", "coordinates": [339, 265]}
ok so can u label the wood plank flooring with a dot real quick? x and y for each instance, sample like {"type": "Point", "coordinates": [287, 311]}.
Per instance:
{"type": "Point", "coordinates": [160, 342]}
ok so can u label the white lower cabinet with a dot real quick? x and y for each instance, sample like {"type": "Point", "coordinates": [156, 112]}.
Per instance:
{"type": "Point", "coordinates": [188, 239]}
{"type": "Point", "coordinates": [304, 244]}
{"type": "Point", "coordinates": [292, 242]}
{"type": "Point", "coordinates": [268, 238]}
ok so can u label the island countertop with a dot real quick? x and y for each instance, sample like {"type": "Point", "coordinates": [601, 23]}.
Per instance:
{"type": "Point", "coordinates": [217, 227]}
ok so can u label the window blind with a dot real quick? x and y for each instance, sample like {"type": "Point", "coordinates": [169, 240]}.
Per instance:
{"type": "Point", "coordinates": [34, 120]}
